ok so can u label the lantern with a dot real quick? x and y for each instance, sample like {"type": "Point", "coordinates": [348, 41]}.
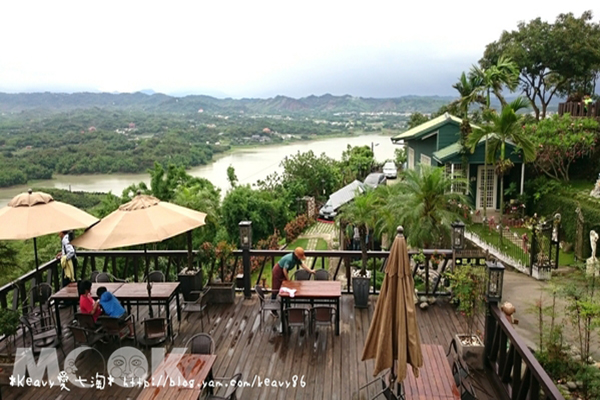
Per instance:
{"type": "Point", "coordinates": [246, 234]}
{"type": "Point", "coordinates": [458, 235]}
{"type": "Point", "coordinates": [495, 281]}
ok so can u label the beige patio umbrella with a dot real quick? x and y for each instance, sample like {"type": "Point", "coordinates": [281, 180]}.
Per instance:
{"type": "Point", "coordinates": [32, 214]}
{"type": "Point", "coordinates": [145, 219]}
{"type": "Point", "coordinates": [393, 338]}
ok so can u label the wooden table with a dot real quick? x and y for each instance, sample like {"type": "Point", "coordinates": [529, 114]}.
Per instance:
{"type": "Point", "coordinates": [319, 292]}
{"type": "Point", "coordinates": [70, 293]}
{"type": "Point", "coordinates": [435, 381]}
{"type": "Point", "coordinates": [191, 366]}
{"type": "Point", "coordinates": [162, 294]}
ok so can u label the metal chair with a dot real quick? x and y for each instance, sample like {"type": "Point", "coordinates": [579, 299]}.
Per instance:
{"type": "Point", "coordinates": [107, 277]}
{"type": "Point", "coordinates": [93, 276]}
{"type": "Point", "coordinates": [387, 390]}
{"type": "Point", "coordinates": [38, 310]}
{"type": "Point", "coordinates": [232, 388]}
{"type": "Point", "coordinates": [266, 304]}
{"type": "Point", "coordinates": [322, 316]}
{"type": "Point", "coordinates": [295, 316]}
{"type": "Point", "coordinates": [302, 275]}
{"type": "Point", "coordinates": [459, 371]}
{"type": "Point", "coordinates": [85, 336]}
{"type": "Point", "coordinates": [198, 305]}
{"type": "Point", "coordinates": [42, 335]}
{"type": "Point", "coordinates": [201, 343]}
{"type": "Point", "coordinates": [115, 327]}
{"type": "Point", "coordinates": [155, 331]}
{"type": "Point", "coordinates": [321, 275]}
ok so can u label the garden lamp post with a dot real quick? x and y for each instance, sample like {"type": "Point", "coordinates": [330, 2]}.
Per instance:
{"type": "Point", "coordinates": [246, 244]}
{"type": "Point", "coordinates": [458, 235]}
{"type": "Point", "coordinates": [495, 281]}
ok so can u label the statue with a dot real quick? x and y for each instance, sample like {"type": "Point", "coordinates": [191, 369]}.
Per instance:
{"type": "Point", "coordinates": [593, 240]}
{"type": "Point", "coordinates": [596, 190]}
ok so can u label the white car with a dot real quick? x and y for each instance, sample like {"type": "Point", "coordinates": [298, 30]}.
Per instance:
{"type": "Point", "coordinates": [390, 170]}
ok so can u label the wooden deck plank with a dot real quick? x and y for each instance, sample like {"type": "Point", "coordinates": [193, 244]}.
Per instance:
{"type": "Point", "coordinates": [332, 369]}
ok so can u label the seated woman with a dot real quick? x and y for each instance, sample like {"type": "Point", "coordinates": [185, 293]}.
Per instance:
{"type": "Point", "coordinates": [87, 305]}
{"type": "Point", "coordinates": [111, 306]}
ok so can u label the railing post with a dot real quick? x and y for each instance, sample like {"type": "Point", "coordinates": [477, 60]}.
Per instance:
{"type": "Point", "coordinates": [246, 244]}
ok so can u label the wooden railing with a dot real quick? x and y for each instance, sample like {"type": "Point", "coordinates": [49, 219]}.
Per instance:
{"type": "Point", "coordinates": [578, 109]}
{"type": "Point", "coordinates": [131, 265]}
{"type": "Point", "coordinates": [514, 367]}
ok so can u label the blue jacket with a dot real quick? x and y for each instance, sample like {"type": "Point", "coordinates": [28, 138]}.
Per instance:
{"type": "Point", "coordinates": [111, 305]}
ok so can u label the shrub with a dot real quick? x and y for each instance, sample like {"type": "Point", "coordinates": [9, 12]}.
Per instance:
{"type": "Point", "coordinates": [295, 227]}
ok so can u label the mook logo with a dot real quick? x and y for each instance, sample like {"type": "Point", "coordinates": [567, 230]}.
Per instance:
{"type": "Point", "coordinates": [126, 367]}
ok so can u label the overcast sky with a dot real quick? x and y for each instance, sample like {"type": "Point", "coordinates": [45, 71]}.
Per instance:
{"type": "Point", "coordinates": [255, 48]}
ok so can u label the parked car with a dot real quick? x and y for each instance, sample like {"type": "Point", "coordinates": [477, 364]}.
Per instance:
{"type": "Point", "coordinates": [390, 170]}
{"type": "Point", "coordinates": [339, 198]}
{"type": "Point", "coordinates": [375, 179]}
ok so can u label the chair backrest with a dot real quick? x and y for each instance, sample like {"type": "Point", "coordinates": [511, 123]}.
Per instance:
{"type": "Point", "coordinates": [93, 276]}
{"type": "Point", "coordinates": [295, 315]}
{"type": "Point", "coordinates": [80, 334]}
{"type": "Point", "coordinates": [201, 343]}
{"type": "Point", "coordinates": [153, 326]}
{"type": "Point", "coordinates": [85, 320]}
{"type": "Point", "coordinates": [155, 276]}
{"type": "Point", "coordinates": [260, 293]}
{"type": "Point", "coordinates": [322, 275]}
{"type": "Point", "coordinates": [230, 394]}
{"type": "Point", "coordinates": [104, 277]}
{"type": "Point", "coordinates": [302, 275]}
{"type": "Point", "coordinates": [40, 294]}
{"type": "Point", "coordinates": [323, 313]}
{"type": "Point", "coordinates": [111, 325]}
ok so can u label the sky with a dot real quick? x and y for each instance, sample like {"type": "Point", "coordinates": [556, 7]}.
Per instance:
{"type": "Point", "coordinates": [257, 48]}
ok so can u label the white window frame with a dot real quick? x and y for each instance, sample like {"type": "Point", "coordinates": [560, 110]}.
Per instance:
{"type": "Point", "coordinates": [425, 160]}
{"type": "Point", "coordinates": [411, 158]}
{"type": "Point", "coordinates": [452, 169]}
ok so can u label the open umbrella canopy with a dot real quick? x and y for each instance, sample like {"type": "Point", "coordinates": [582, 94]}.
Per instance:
{"type": "Point", "coordinates": [145, 219]}
{"type": "Point", "coordinates": [394, 333]}
{"type": "Point", "coordinates": [34, 214]}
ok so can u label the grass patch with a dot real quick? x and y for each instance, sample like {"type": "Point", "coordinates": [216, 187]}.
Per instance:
{"type": "Point", "coordinates": [508, 247]}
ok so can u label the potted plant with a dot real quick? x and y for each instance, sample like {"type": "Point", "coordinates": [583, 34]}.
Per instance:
{"type": "Point", "coordinates": [467, 284]}
{"type": "Point", "coordinates": [9, 324]}
{"type": "Point", "coordinates": [191, 279]}
{"type": "Point", "coordinates": [222, 291]}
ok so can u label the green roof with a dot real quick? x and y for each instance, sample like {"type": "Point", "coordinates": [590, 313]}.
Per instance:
{"type": "Point", "coordinates": [448, 152]}
{"type": "Point", "coordinates": [427, 127]}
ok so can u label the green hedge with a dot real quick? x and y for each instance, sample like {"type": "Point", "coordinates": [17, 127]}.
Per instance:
{"type": "Point", "coordinates": [566, 204]}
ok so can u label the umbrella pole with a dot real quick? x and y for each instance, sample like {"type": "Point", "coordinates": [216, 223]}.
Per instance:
{"type": "Point", "coordinates": [37, 261]}
{"type": "Point", "coordinates": [148, 284]}
{"type": "Point", "coordinates": [189, 246]}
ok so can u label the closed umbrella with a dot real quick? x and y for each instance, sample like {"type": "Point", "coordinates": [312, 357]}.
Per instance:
{"type": "Point", "coordinates": [393, 338]}
{"type": "Point", "coordinates": [32, 214]}
{"type": "Point", "coordinates": [145, 219]}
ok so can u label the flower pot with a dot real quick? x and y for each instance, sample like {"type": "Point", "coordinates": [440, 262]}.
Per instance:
{"type": "Point", "coordinates": [471, 350]}
{"type": "Point", "coordinates": [190, 281]}
{"type": "Point", "coordinates": [360, 289]}
{"type": "Point", "coordinates": [541, 274]}
{"type": "Point", "coordinates": [221, 293]}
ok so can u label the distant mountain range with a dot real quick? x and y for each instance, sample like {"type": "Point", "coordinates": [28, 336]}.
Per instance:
{"type": "Point", "coordinates": [156, 102]}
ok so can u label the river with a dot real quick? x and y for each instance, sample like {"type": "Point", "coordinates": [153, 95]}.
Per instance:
{"type": "Point", "coordinates": [251, 164]}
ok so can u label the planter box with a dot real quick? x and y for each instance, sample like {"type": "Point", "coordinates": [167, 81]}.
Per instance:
{"type": "Point", "coordinates": [189, 283]}
{"type": "Point", "coordinates": [6, 371]}
{"type": "Point", "coordinates": [360, 289]}
{"type": "Point", "coordinates": [541, 274]}
{"type": "Point", "coordinates": [221, 293]}
{"type": "Point", "coordinates": [471, 354]}
{"type": "Point", "coordinates": [239, 281]}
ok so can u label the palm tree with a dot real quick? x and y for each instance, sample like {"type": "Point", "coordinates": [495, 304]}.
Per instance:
{"type": "Point", "coordinates": [427, 205]}
{"type": "Point", "coordinates": [504, 127]}
{"type": "Point", "coordinates": [362, 213]}
{"type": "Point", "coordinates": [469, 89]}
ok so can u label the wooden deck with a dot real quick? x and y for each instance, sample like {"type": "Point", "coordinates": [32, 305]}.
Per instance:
{"type": "Point", "coordinates": [329, 366]}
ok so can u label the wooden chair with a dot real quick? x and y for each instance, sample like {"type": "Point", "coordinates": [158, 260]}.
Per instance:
{"type": "Point", "coordinates": [266, 304]}
{"type": "Point", "coordinates": [321, 275]}
{"type": "Point", "coordinates": [232, 388]}
{"type": "Point", "coordinates": [115, 327]}
{"type": "Point", "coordinates": [197, 305]}
{"type": "Point", "coordinates": [302, 275]}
